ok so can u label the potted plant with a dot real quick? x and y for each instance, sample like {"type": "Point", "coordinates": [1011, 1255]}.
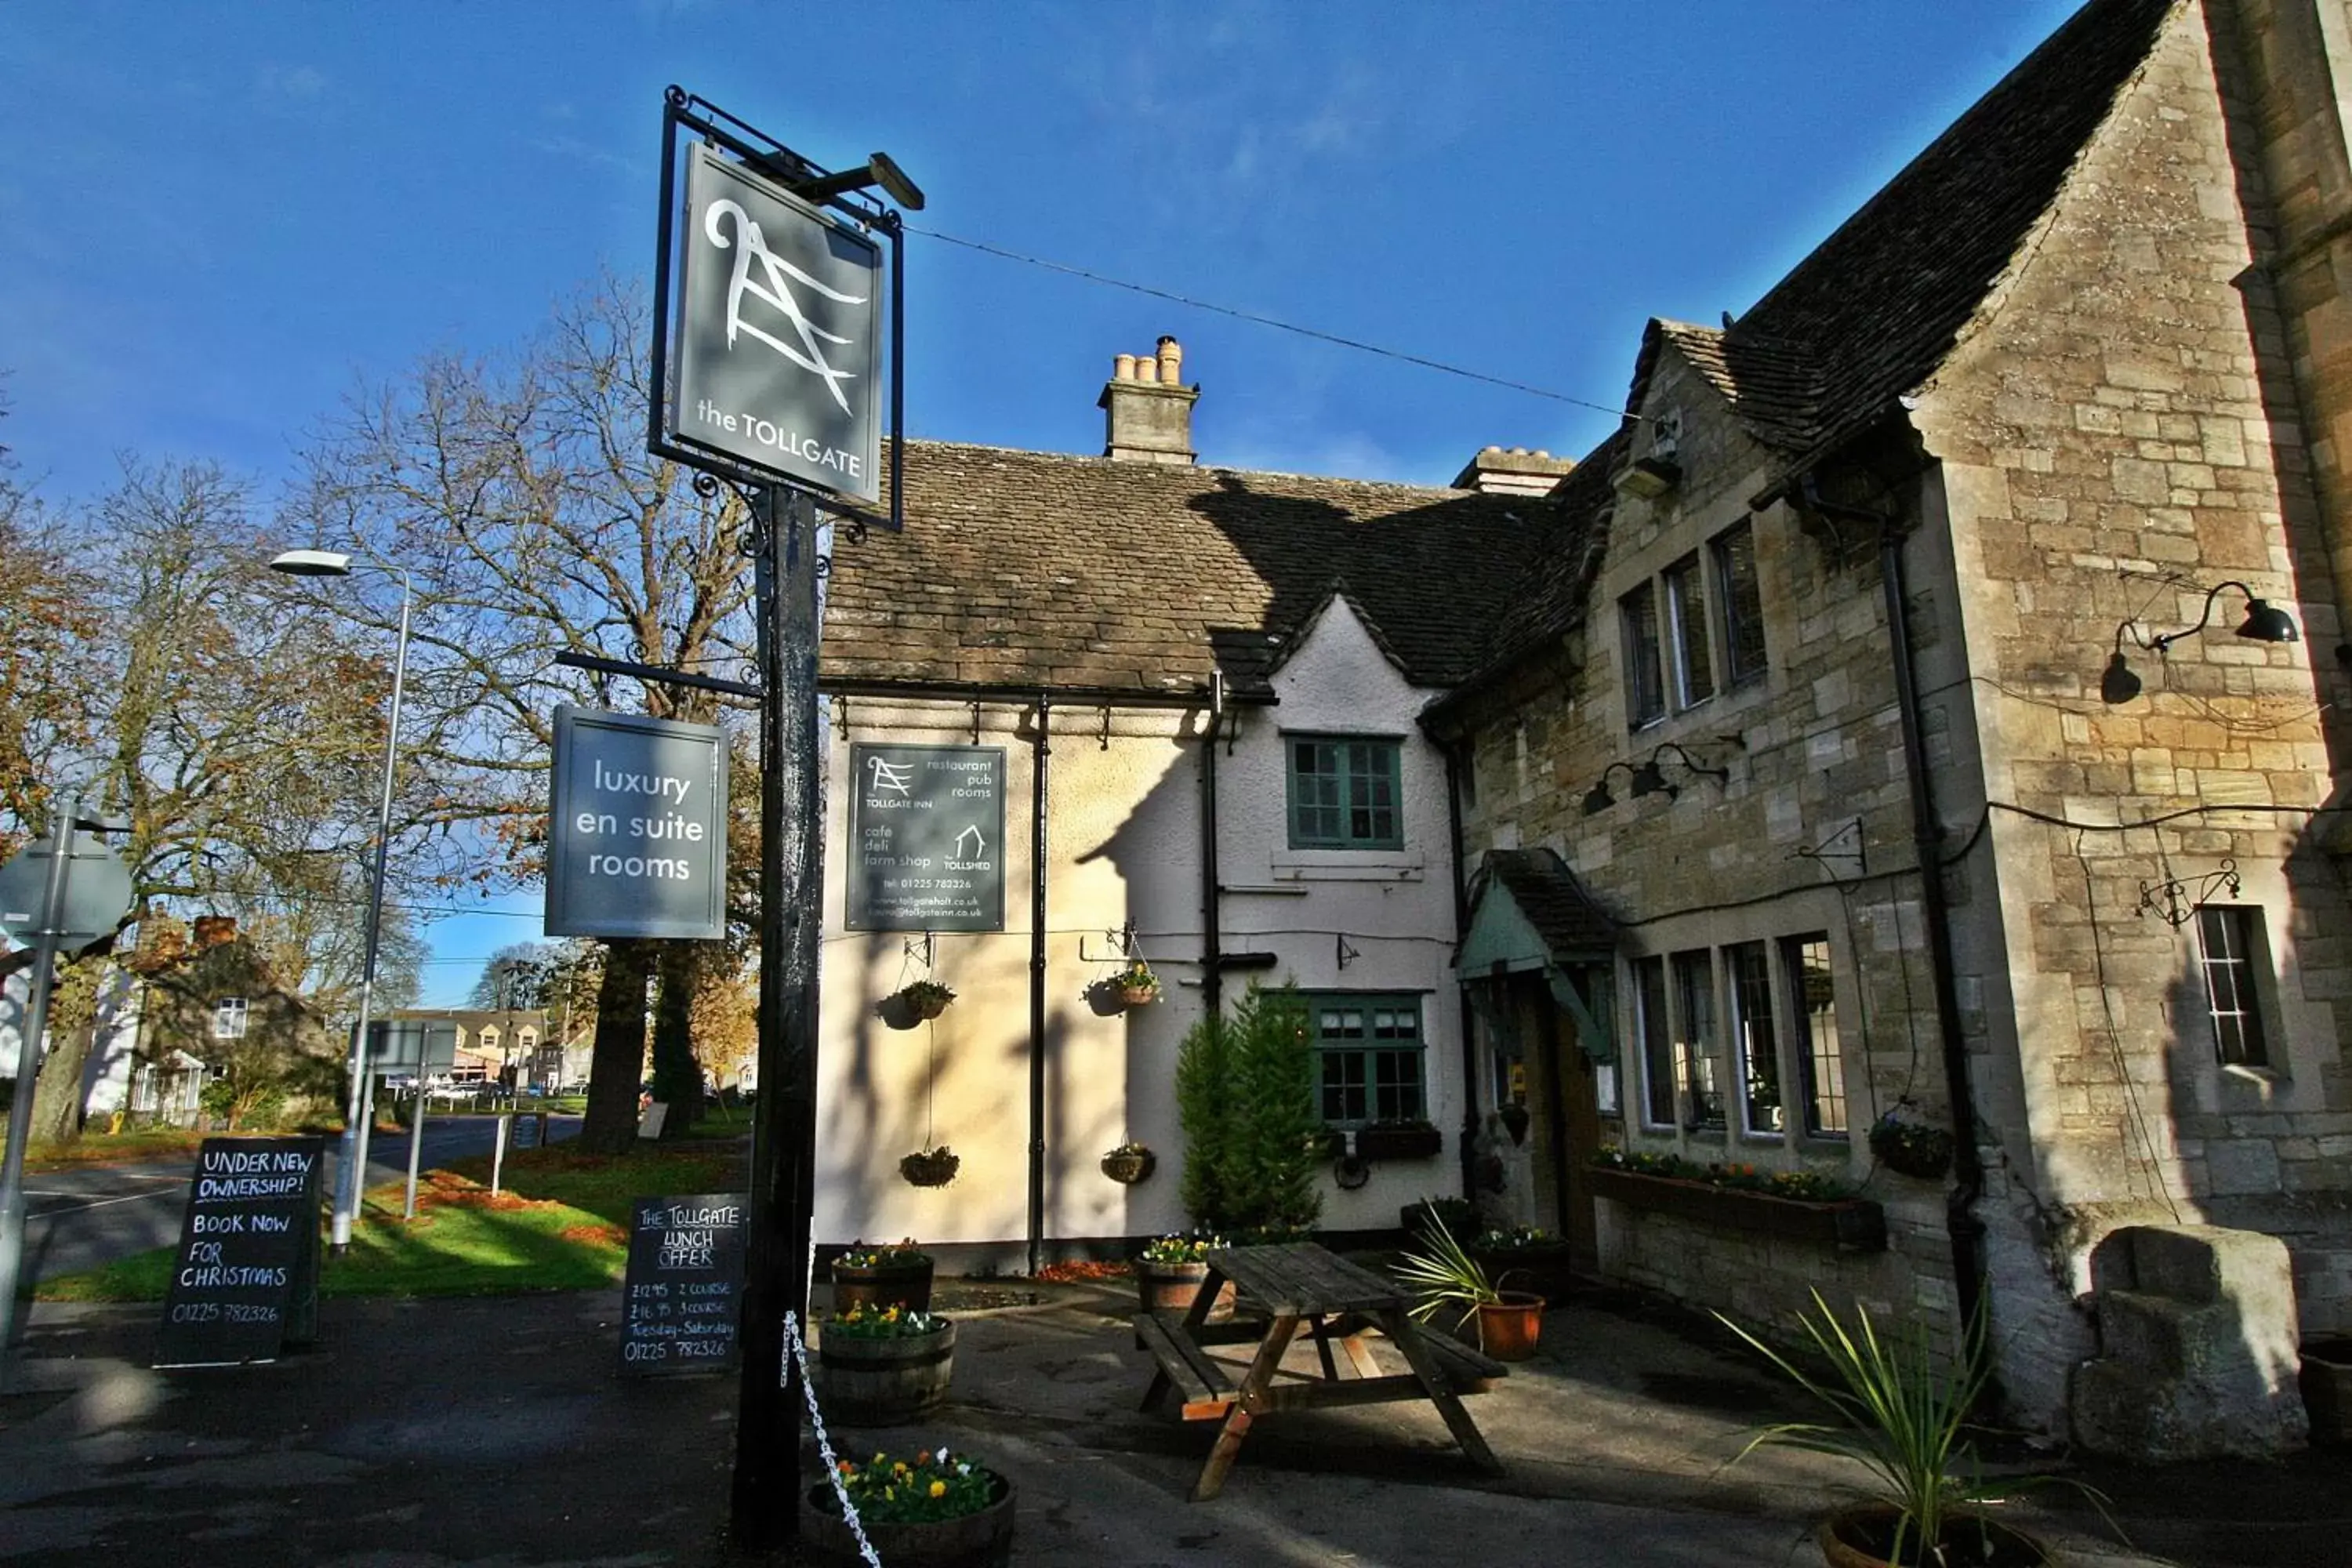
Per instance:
{"type": "Point", "coordinates": [1911, 1148]}
{"type": "Point", "coordinates": [931, 1167]}
{"type": "Point", "coordinates": [1130, 1163]}
{"type": "Point", "coordinates": [937, 1510]}
{"type": "Point", "coordinates": [1171, 1270]}
{"type": "Point", "coordinates": [1509, 1321]}
{"type": "Point", "coordinates": [1901, 1417]}
{"type": "Point", "coordinates": [881, 1365]}
{"type": "Point", "coordinates": [1136, 985]}
{"type": "Point", "coordinates": [1530, 1254]}
{"type": "Point", "coordinates": [926, 998]}
{"type": "Point", "coordinates": [894, 1274]}
{"type": "Point", "coordinates": [1398, 1137]}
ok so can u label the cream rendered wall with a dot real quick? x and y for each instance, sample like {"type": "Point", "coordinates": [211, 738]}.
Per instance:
{"type": "Point", "coordinates": [1395, 908]}
{"type": "Point", "coordinates": [1124, 846]}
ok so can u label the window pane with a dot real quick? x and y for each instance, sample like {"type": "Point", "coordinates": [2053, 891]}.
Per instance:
{"type": "Point", "coordinates": [2226, 934]}
{"type": "Point", "coordinates": [1813, 998]}
{"type": "Point", "coordinates": [1344, 794]}
{"type": "Point", "coordinates": [1752, 1032]}
{"type": "Point", "coordinates": [1646, 698]}
{"type": "Point", "coordinates": [1695, 993]}
{"type": "Point", "coordinates": [1694, 678]}
{"type": "Point", "coordinates": [1743, 604]}
{"type": "Point", "coordinates": [1657, 1041]}
{"type": "Point", "coordinates": [1368, 1058]}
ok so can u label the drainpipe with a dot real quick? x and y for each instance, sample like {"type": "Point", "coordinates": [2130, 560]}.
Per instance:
{"type": "Point", "coordinates": [1039, 752]}
{"type": "Point", "coordinates": [1967, 1231]}
{"type": "Point", "coordinates": [1461, 993]}
{"type": "Point", "coordinates": [1212, 986]}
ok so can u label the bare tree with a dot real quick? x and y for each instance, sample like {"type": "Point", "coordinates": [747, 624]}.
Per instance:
{"type": "Point", "coordinates": [518, 492]}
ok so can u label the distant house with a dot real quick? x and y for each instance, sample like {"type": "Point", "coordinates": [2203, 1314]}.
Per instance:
{"type": "Point", "coordinates": [512, 1046]}
{"type": "Point", "coordinates": [214, 1000]}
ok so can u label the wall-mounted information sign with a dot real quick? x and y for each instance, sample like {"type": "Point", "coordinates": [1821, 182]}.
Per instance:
{"type": "Point", "coordinates": [245, 1281]}
{"type": "Point", "coordinates": [926, 839]}
{"type": "Point", "coordinates": [685, 1284]}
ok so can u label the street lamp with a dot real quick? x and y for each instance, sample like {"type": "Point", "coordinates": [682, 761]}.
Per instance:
{"type": "Point", "coordinates": [362, 1112]}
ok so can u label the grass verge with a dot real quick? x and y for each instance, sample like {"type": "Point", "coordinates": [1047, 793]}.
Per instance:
{"type": "Point", "coordinates": [558, 1224]}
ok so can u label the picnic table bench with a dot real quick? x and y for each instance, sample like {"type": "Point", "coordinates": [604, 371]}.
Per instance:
{"type": "Point", "coordinates": [1300, 1284]}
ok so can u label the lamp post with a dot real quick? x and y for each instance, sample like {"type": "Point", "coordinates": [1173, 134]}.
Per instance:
{"type": "Point", "coordinates": [361, 1110]}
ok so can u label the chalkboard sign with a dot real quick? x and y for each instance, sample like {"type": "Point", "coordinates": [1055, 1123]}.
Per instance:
{"type": "Point", "coordinates": [685, 1283]}
{"type": "Point", "coordinates": [245, 1281]}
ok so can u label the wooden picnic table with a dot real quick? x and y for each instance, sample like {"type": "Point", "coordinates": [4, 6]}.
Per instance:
{"type": "Point", "coordinates": [1295, 1284]}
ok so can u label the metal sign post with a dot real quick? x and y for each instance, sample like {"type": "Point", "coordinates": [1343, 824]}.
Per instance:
{"type": "Point", "coordinates": [28, 1050]}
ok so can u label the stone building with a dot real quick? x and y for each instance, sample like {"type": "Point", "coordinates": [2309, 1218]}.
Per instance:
{"type": "Point", "coordinates": [1926, 729]}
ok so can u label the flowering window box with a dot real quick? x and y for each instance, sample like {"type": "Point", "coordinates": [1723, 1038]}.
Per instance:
{"type": "Point", "coordinates": [1399, 1140]}
{"type": "Point", "coordinates": [1852, 1224]}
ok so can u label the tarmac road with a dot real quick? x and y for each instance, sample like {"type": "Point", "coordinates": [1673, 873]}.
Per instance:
{"type": "Point", "coordinates": [82, 1217]}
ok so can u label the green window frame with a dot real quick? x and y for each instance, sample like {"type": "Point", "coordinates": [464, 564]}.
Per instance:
{"type": "Point", "coordinates": [1345, 792]}
{"type": "Point", "coordinates": [1369, 1056]}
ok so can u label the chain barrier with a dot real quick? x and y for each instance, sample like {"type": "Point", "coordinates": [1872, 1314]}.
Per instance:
{"type": "Point", "coordinates": [824, 1444]}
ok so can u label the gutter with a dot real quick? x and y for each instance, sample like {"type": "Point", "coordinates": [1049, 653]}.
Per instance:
{"type": "Point", "coordinates": [1965, 1229]}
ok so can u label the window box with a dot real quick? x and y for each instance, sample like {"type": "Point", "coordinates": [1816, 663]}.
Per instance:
{"type": "Point", "coordinates": [1852, 1224]}
{"type": "Point", "coordinates": [1409, 1141]}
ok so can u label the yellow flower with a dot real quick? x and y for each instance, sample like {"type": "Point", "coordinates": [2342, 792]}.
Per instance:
{"type": "Point", "coordinates": [939, 1489]}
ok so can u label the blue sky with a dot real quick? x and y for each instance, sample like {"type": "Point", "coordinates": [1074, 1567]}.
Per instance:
{"type": "Point", "coordinates": [220, 219]}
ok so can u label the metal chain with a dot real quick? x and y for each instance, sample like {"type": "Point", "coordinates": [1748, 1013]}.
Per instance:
{"type": "Point", "coordinates": [824, 1444]}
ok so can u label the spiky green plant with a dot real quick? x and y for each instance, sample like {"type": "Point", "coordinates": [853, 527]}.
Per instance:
{"type": "Point", "coordinates": [1903, 1418]}
{"type": "Point", "coordinates": [1444, 1274]}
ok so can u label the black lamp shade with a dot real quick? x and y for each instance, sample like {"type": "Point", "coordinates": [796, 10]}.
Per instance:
{"type": "Point", "coordinates": [2265, 621]}
{"type": "Point", "coordinates": [2118, 684]}
{"type": "Point", "coordinates": [1649, 779]}
{"type": "Point", "coordinates": [1597, 799]}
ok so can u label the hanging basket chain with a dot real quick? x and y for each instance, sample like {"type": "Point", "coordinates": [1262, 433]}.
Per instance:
{"type": "Point", "coordinates": [799, 1350]}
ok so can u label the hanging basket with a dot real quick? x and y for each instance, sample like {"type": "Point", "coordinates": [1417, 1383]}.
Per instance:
{"type": "Point", "coordinates": [1129, 1166]}
{"type": "Point", "coordinates": [931, 1167]}
{"type": "Point", "coordinates": [1139, 996]}
{"type": "Point", "coordinates": [1911, 1149]}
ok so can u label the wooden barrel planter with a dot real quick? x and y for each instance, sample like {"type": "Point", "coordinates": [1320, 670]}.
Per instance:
{"type": "Point", "coordinates": [1172, 1287]}
{"type": "Point", "coordinates": [884, 1382]}
{"type": "Point", "coordinates": [982, 1540]}
{"type": "Point", "coordinates": [879, 1285]}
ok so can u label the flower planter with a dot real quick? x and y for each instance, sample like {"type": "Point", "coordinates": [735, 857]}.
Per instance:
{"type": "Point", "coordinates": [1546, 1272]}
{"type": "Point", "coordinates": [1852, 1537]}
{"type": "Point", "coordinates": [1908, 1150]}
{"type": "Point", "coordinates": [884, 1382]}
{"type": "Point", "coordinates": [1128, 1167]}
{"type": "Point", "coordinates": [1854, 1224]}
{"type": "Point", "coordinates": [1397, 1142]}
{"type": "Point", "coordinates": [935, 1169]}
{"type": "Point", "coordinates": [982, 1540]}
{"type": "Point", "coordinates": [927, 1007]}
{"type": "Point", "coordinates": [879, 1285]}
{"type": "Point", "coordinates": [1139, 996]}
{"type": "Point", "coordinates": [1172, 1287]}
{"type": "Point", "coordinates": [1509, 1329]}
{"type": "Point", "coordinates": [2327, 1389]}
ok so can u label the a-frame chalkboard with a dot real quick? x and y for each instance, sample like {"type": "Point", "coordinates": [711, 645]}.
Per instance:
{"type": "Point", "coordinates": [245, 1281]}
{"type": "Point", "coordinates": [685, 1285]}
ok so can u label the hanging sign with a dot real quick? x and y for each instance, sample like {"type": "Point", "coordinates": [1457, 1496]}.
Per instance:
{"type": "Point", "coordinates": [778, 360]}
{"type": "Point", "coordinates": [926, 839]}
{"type": "Point", "coordinates": [636, 827]}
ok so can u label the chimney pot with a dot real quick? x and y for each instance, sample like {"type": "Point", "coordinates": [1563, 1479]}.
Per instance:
{"type": "Point", "coordinates": [1147, 409]}
{"type": "Point", "coordinates": [1147, 368]}
{"type": "Point", "coordinates": [1172, 362]}
{"type": "Point", "coordinates": [1122, 367]}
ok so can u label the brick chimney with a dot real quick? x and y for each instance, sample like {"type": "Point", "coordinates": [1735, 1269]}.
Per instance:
{"type": "Point", "coordinates": [212, 931]}
{"type": "Point", "coordinates": [1147, 408]}
{"type": "Point", "coordinates": [1516, 472]}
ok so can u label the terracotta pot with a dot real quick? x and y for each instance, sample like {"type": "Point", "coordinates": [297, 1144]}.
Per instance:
{"type": "Point", "coordinates": [982, 1540]}
{"type": "Point", "coordinates": [884, 1382]}
{"type": "Point", "coordinates": [1507, 1330]}
{"type": "Point", "coordinates": [1849, 1537]}
{"type": "Point", "coordinates": [907, 1285]}
{"type": "Point", "coordinates": [1139, 996]}
{"type": "Point", "coordinates": [1172, 1287]}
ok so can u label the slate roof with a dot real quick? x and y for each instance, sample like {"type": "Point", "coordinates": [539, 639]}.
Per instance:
{"type": "Point", "coordinates": [1553, 900]}
{"type": "Point", "coordinates": [1876, 307]}
{"type": "Point", "coordinates": [1029, 568]}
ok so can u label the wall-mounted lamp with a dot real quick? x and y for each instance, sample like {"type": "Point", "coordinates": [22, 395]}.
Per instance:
{"type": "Point", "coordinates": [2264, 621]}
{"type": "Point", "coordinates": [1649, 778]}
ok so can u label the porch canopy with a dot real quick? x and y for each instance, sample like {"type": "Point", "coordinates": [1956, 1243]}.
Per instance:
{"type": "Point", "coordinates": [1529, 915]}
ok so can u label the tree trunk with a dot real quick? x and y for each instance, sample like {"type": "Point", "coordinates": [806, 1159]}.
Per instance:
{"type": "Point", "coordinates": [617, 1068]}
{"type": "Point", "coordinates": [677, 1077]}
{"type": "Point", "coordinates": [57, 1091]}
